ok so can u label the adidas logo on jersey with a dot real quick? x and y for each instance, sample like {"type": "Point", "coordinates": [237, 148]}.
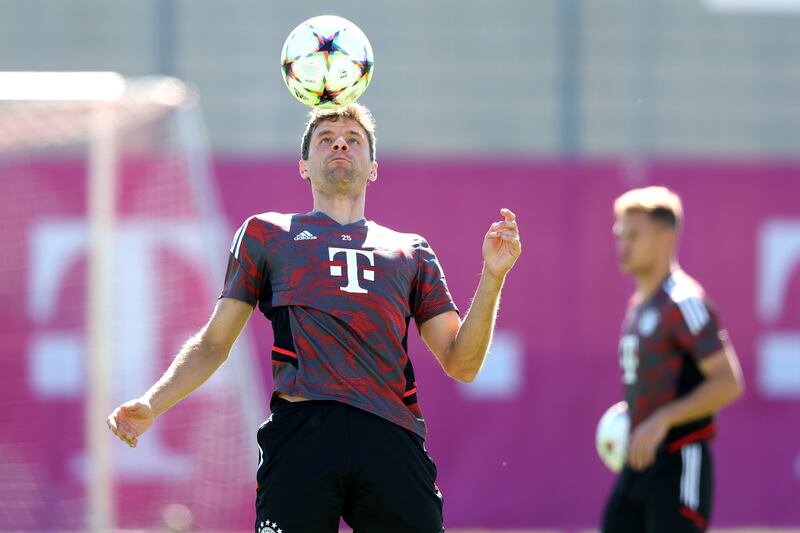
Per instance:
{"type": "Point", "coordinates": [305, 236]}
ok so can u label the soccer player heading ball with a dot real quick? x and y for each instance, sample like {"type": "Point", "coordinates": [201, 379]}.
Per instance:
{"type": "Point", "coordinates": [346, 435]}
{"type": "Point", "coordinates": [678, 368]}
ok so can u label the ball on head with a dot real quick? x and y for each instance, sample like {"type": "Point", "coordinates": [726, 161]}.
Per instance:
{"type": "Point", "coordinates": [327, 62]}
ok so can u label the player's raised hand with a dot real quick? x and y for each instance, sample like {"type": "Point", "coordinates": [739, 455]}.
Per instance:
{"type": "Point", "coordinates": [130, 420]}
{"type": "Point", "coordinates": [501, 246]}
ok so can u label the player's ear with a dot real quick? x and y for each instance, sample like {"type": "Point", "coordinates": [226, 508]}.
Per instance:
{"type": "Point", "coordinates": [303, 168]}
{"type": "Point", "coordinates": [373, 173]}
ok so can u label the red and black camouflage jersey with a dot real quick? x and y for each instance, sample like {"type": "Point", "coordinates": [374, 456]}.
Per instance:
{"type": "Point", "coordinates": [663, 340]}
{"type": "Point", "coordinates": [340, 299]}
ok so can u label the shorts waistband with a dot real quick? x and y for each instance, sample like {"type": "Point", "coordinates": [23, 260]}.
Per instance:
{"type": "Point", "coordinates": [279, 404]}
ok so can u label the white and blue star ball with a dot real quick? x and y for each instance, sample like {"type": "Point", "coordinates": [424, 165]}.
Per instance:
{"type": "Point", "coordinates": [327, 62]}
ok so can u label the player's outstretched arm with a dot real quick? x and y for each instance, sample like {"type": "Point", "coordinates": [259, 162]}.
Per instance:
{"type": "Point", "coordinates": [195, 363]}
{"type": "Point", "coordinates": [461, 346]}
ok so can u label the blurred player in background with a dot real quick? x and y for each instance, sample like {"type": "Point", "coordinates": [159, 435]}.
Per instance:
{"type": "Point", "coordinates": [678, 369]}
{"type": "Point", "coordinates": [346, 434]}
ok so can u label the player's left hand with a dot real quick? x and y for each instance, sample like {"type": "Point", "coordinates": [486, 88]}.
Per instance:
{"type": "Point", "coordinates": [501, 245]}
{"type": "Point", "coordinates": [646, 439]}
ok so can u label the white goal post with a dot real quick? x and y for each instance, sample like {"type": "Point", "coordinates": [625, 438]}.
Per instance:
{"type": "Point", "coordinates": [103, 115]}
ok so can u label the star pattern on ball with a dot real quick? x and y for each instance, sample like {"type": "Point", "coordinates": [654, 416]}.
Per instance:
{"type": "Point", "coordinates": [288, 68]}
{"type": "Point", "coordinates": [327, 95]}
{"type": "Point", "coordinates": [365, 65]}
{"type": "Point", "coordinates": [328, 46]}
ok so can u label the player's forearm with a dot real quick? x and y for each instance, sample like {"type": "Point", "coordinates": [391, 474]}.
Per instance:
{"type": "Point", "coordinates": [472, 340]}
{"type": "Point", "coordinates": [712, 395]}
{"type": "Point", "coordinates": [194, 364]}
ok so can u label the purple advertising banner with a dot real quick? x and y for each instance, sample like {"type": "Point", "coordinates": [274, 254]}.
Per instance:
{"type": "Point", "coordinates": [516, 447]}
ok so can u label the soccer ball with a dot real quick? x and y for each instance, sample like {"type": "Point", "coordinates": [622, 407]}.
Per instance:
{"type": "Point", "coordinates": [612, 436]}
{"type": "Point", "coordinates": [327, 62]}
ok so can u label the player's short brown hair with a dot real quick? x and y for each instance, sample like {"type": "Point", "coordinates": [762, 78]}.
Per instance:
{"type": "Point", "coordinates": [356, 112]}
{"type": "Point", "coordinates": [660, 203]}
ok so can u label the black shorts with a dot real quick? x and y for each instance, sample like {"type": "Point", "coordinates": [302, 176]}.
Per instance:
{"type": "Point", "coordinates": [673, 495]}
{"type": "Point", "coordinates": [322, 460]}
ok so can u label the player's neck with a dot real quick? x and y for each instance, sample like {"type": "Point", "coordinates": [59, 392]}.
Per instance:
{"type": "Point", "coordinates": [647, 283]}
{"type": "Point", "coordinates": [343, 210]}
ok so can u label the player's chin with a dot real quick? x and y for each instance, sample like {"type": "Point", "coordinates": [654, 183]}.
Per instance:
{"type": "Point", "coordinates": [343, 173]}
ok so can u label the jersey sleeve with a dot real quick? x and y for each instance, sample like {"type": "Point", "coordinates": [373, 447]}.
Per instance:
{"type": "Point", "coordinates": [429, 293]}
{"type": "Point", "coordinates": [697, 328]}
{"type": "Point", "coordinates": [246, 272]}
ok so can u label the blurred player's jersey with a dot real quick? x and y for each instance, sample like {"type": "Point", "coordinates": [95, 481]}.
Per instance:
{"type": "Point", "coordinates": [340, 299]}
{"type": "Point", "coordinates": [663, 340]}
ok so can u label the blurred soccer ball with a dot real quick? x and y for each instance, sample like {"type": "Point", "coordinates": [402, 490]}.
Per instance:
{"type": "Point", "coordinates": [613, 432]}
{"type": "Point", "coordinates": [327, 62]}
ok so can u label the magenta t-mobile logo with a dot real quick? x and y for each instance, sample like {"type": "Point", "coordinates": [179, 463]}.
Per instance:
{"type": "Point", "coordinates": [778, 347]}
{"type": "Point", "coordinates": [351, 256]}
